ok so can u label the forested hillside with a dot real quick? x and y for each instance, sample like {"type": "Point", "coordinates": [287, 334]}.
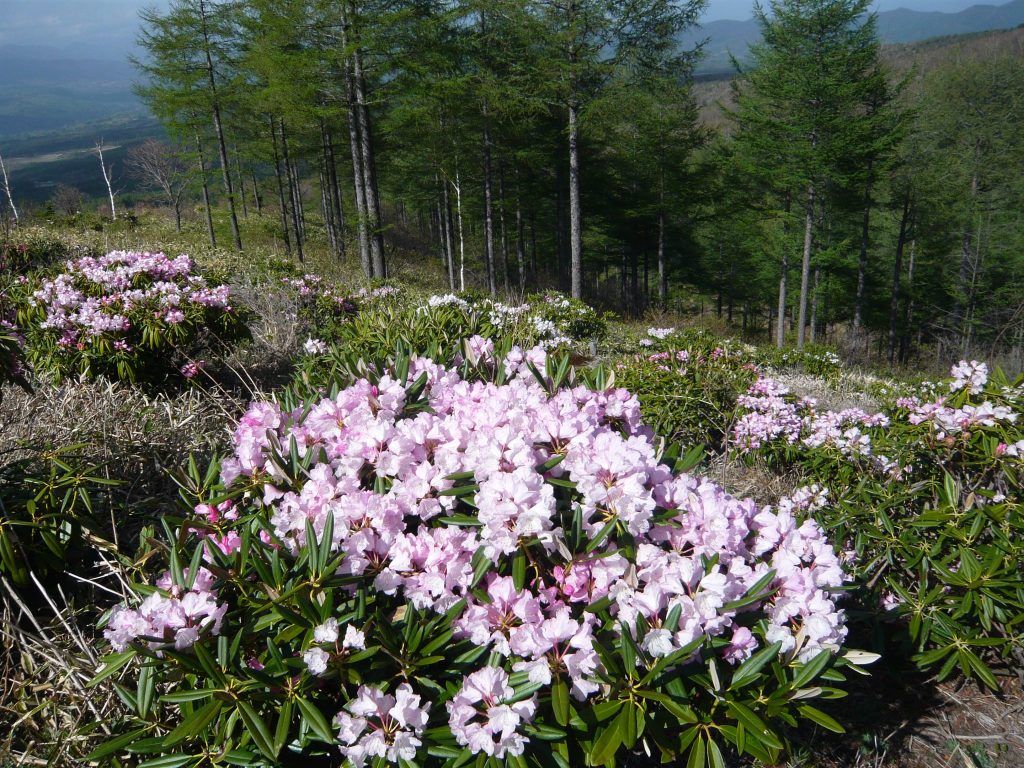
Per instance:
{"type": "Point", "coordinates": [469, 384]}
{"type": "Point", "coordinates": [566, 144]}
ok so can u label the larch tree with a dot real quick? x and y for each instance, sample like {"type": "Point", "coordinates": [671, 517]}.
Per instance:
{"type": "Point", "coordinates": [798, 106]}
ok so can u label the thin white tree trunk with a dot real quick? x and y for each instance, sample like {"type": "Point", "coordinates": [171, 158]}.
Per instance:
{"type": "Point", "coordinates": [814, 304]}
{"type": "Point", "coordinates": [107, 179]}
{"type": "Point", "coordinates": [805, 268]}
{"type": "Point", "coordinates": [206, 188]}
{"type": "Point", "coordinates": [219, 130]}
{"type": "Point", "coordinates": [462, 239]}
{"type": "Point", "coordinates": [7, 189]}
{"type": "Point", "coordinates": [449, 236]}
{"type": "Point", "coordinates": [575, 226]}
{"type": "Point", "coordinates": [492, 287]}
{"type": "Point", "coordinates": [780, 339]}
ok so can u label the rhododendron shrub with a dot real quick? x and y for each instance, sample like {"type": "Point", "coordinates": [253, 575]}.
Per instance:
{"type": "Point", "coordinates": [928, 494]}
{"type": "Point", "coordinates": [12, 366]}
{"type": "Point", "coordinates": [688, 393]}
{"type": "Point", "coordinates": [439, 324]}
{"type": "Point", "coordinates": [477, 561]}
{"type": "Point", "coordinates": [126, 315]}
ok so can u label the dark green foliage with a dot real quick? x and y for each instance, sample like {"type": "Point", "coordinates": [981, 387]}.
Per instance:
{"type": "Point", "coordinates": [688, 388]}
{"type": "Point", "coordinates": [937, 528]}
{"type": "Point", "coordinates": [49, 501]}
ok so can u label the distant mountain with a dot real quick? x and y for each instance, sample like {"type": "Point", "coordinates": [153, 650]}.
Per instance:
{"type": "Point", "coordinates": [42, 89]}
{"type": "Point", "coordinates": [903, 26]}
{"type": "Point", "coordinates": [896, 26]}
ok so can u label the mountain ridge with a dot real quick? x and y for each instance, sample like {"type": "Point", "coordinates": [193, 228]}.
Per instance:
{"type": "Point", "coordinates": [725, 38]}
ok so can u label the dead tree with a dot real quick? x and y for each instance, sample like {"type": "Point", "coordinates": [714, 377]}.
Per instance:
{"type": "Point", "coordinates": [161, 167]}
{"type": "Point", "coordinates": [108, 178]}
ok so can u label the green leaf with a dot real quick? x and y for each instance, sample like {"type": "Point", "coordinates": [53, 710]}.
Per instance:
{"type": "Point", "coordinates": [168, 761]}
{"type": "Point", "coordinates": [115, 744]}
{"type": "Point", "coordinates": [315, 719]}
{"type": "Point", "coordinates": [811, 669]}
{"type": "Point", "coordinates": [697, 754]}
{"type": "Point", "coordinates": [560, 701]}
{"type": "Point", "coordinates": [754, 724]}
{"type": "Point", "coordinates": [111, 664]}
{"type": "Point", "coordinates": [257, 729]}
{"type": "Point", "coordinates": [748, 670]}
{"type": "Point", "coordinates": [194, 724]}
{"type": "Point", "coordinates": [819, 717]}
{"type": "Point", "coordinates": [608, 741]}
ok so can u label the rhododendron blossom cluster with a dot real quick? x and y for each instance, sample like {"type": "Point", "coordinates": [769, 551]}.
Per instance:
{"type": "Point", "coordinates": [96, 296]}
{"type": "Point", "coordinates": [773, 415]}
{"type": "Point", "coordinates": [415, 481]}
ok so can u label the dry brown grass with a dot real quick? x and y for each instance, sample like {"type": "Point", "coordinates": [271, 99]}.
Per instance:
{"type": "Point", "coordinates": [48, 713]}
{"type": "Point", "coordinates": [136, 437]}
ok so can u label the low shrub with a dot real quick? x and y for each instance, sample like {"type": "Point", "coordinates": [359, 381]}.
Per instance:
{"type": "Point", "coordinates": [815, 360]}
{"type": "Point", "coordinates": [128, 316]}
{"type": "Point", "coordinates": [374, 322]}
{"type": "Point", "coordinates": [927, 493]}
{"type": "Point", "coordinates": [688, 395]}
{"type": "Point", "coordinates": [473, 562]}
{"type": "Point", "coordinates": [49, 502]}
{"type": "Point", "coordinates": [573, 318]}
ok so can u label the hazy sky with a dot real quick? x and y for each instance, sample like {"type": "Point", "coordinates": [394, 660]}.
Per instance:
{"type": "Point", "coordinates": [107, 28]}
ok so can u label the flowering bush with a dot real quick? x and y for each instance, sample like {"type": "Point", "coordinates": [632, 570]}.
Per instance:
{"type": "Point", "coordinates": [688, 395]}
{"type": "Point", "coordinates": [814, 359]}
{"type": "Point", "coordinates": [446, 563]}
{"type": "Point", "coordinates": [327, 308]}
{"type": "Point", "coordinates": [439, 324]}
{"type": "Point", "coordinates": [574, 318]}
{"type": "Point", "coordinates": [126, 315]}
{"type": "Point", "coordinates": [928, 496]}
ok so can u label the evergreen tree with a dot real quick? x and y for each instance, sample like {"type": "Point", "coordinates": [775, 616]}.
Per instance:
{"type": "Point", "coordinates": [801, 106]}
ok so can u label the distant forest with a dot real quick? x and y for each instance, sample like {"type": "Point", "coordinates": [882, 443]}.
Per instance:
{"type": "Point", "coordinates": [830, 191]}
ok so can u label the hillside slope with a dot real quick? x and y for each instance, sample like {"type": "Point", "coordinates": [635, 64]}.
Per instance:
{"type": "Point", "coordinates": [733, 38]}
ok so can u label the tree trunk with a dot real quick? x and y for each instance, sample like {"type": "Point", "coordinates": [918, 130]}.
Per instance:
{"type": "Point", "coordinates": [256, 193]}
{"type": "Point", "coordinates": [107, 180]}
{"type": "Point", "coordinates": [462, 239]}
{"type": "Point", "coordinates": [335, 196]}
{"type": "Point", "coordinates": [206, 190]}
{"type": "Point", "coordinates": [449, 231]}
{"type": "Point", "coordinates": [575, 225]}
{"type": "Point", "coordinates": [325, 208]}
{"type": "Point", "coordinates": [219, 129]}
{"type": "Point", "coordinates": [520, 237]}
{"type": "Point", "coordinates": [862, 262]}
{"type": "Point", "coordinates": [533, 242]}
{"type": "Point", "coordinates": [805, 269]}
{"type": "Point", "coordinates": [326, 201]}
{"type": "Point", "coordinates": [442, 227]}
{"type": "Point", "coordinates": [908, 307]}
{"type": "Point", "coordinates": [295, 200]}
{"type": "Point", "coordinates": [897, 271]}
{"type": "Point", "coordinates": [366, 152]}
{"type": "Point", "coordinates": [356, 143]}
{"type": "Point", "coordinates": [7, 189]}
{"type": "Point", "coordinates": [241, 182]}
{"type": "Point", "coordinates": [783, 287]}
{"type": "Point", "coordinates": [503, 261]}
{"type": "Point", "coordinates": [488, 208]}
{"type": "Point", "coordinates": [814, 305]}
{"type": "Point", "coordinates": [280, 188]}
{"type": "Point", "coordinates": [662, 272]}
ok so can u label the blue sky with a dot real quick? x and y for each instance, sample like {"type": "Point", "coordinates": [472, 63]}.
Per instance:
{"type": "Point", "coordinates": [107, 28]}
